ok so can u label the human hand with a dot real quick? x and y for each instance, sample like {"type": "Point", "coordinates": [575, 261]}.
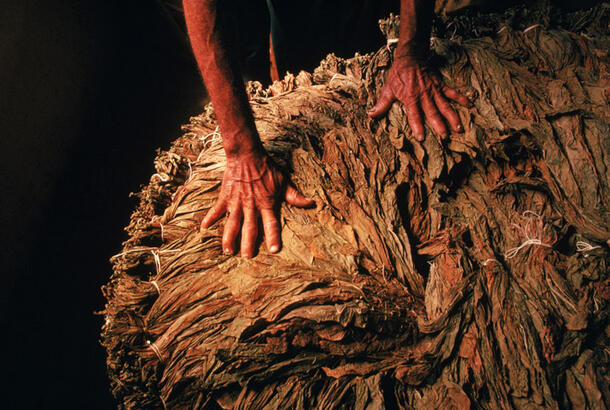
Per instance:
{"type": "Point", "coordinates": [420, 88]}
{"type": "Point", "coordinates": [252, 186]}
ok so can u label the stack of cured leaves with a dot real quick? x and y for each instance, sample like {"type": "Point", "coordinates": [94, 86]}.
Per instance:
{"type": "Point", "coordinates": [467, 272]}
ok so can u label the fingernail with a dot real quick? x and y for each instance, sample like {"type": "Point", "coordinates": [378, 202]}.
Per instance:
{"type": "Point", "coordinates": [274, 248]}
{"type": "Point", "coordinates": [460, 128]}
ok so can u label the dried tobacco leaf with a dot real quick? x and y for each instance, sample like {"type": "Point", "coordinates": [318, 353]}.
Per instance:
{"type": "Point", "coordinates": [470, 273]}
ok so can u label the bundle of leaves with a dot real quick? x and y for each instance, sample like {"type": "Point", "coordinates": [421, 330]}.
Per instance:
{"type": "Point", "coordinates": [465, 272]}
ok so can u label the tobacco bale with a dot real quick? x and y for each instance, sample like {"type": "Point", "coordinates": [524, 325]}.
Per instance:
{"type": "Point", "coordinates": [465, 273]}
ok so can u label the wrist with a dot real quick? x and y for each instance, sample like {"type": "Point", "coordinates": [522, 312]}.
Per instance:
{"type": "Point", "coordinates": [243, 145]}
{"type": "Point", "coordinates": [415, 51]}
{"type": "Point", "coordinates": [239, 152]}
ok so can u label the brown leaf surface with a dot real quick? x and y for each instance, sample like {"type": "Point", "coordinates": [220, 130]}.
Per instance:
{"type": "Point", "coordinates": [470, 273]}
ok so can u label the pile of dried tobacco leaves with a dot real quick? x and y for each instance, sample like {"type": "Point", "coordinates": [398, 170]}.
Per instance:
{"type": "Point", "coordinates": [468, 273]}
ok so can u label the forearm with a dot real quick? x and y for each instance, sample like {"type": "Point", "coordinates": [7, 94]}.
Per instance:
{"type": "Point", "coordinates": [221, 76]}
{"type": "Point", "coordinates": [415, 27]}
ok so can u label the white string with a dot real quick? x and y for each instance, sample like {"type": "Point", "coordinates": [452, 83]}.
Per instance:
{"type": "Point", "coordinates": [390, 42]}
{"type": "Point", "coordinates": [531, 28]}
{"type": "Point", "coordinates": [212, 134]}
{"type": "Point", "coordinates": [208, 139]}
{"type": "Point", "coordinates": [157, 260]}
{"type": "Point", "coordinates": [582, 246]}
{"type": "Point", "coordinates": [161, 177]}
{"type": "Point", "coordinates": [502, 29]}
{"type": "Point", "coordinates": [155, 252]}
{"type": "Point", "coordinates": [332, 78]}
{"type": "Point", "coordinates": [190, 170]}
{"type": "Point", "coordinates": [511, 253]}
{"type": "Point", "coordinates": [145, 250]}
{"type": "Point", "coordinates": [155, 349]}
{"type": "Point", "coordinates": [156, 285]}
{"type": "Point", "coordinates": [532, 213]}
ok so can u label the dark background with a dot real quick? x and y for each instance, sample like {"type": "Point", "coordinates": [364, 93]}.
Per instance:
{"type": "Point", "coordinates": [88, 91]}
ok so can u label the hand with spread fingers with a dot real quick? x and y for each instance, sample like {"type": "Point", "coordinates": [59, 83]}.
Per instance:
{"type": "Point", "coordinates": [412, 81]}
{"type": "Point", "coordinates": [423, 94]}
{"type": "Point", "coordinates": [252, 188]}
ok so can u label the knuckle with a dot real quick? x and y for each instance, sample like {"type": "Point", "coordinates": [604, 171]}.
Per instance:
{"type": "Point", "coordinates": [266, 203]}
{"type": "Point", "coordinates": [271, 224]}
{"type": "Point", "coordinates": [249, 203]}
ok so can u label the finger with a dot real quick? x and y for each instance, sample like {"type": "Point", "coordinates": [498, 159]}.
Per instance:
{"type": "Point", "coordinates": [294, 197]}
{"type": "Point", "coordinates": [214, 214]}
{"type": "Point", "coordinates": [248, 232]}
{"type": "Point", "coordinates": [272, 230]}
{"type": "Point", "coordinates": [450, 115]}
{"type": "Point", "coordinates": [415, 121]}
{"type": "Point", "coordinates": [433, 116]}
{"type": "Point", "coordinates": [383, 104]}
{"type": "Point", "coordinates": [231, 230]}
{"type": "Point", "coordinates": [456, 96]}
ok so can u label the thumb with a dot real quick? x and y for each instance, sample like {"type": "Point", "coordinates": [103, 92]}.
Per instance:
{"type": "Point", "coordinates": [383, 105]}
{"type": "Point", "coordinates": [294, 197]}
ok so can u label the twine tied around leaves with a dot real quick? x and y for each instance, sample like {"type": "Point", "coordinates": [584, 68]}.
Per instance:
{"type": "Point", "coordinates": [533, 235]}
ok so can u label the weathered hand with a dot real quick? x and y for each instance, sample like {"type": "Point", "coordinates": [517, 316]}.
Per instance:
{"type": "Point", "coordinates": [252, 186]}
{"type": "Point", "coordinates": [419, 87]}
